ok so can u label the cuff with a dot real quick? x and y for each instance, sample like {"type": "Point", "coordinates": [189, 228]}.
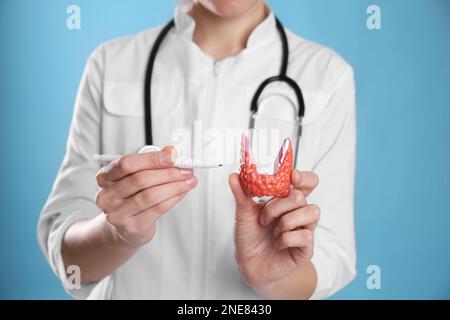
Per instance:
{"type": "Point", "coordinates": [97, 290]}
{"type": "Point", "coordinates": [324, 279]}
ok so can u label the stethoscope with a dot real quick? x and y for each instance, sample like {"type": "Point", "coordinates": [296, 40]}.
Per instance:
{"type": "Point", "coordinates": [282, 77]}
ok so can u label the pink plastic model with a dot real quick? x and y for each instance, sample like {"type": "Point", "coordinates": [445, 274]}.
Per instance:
{"type": "Point", "coordinates": [259, 185]}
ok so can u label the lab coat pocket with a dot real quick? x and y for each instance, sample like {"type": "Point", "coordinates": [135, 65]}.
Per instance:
{"type": "Point", "coordinates": [127, 99]}
{"type": "Point", "coordinates": [278, 108]}
{"type": "Point", "coordinates": [278, 101]}
{"type": "Point", "coordinates": [123, 120]}
{"type": "Point", "coordinates": [315, 102]}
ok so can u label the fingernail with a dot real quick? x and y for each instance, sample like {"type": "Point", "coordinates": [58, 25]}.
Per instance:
{"type": "Point", "coordinates": [168, 157]}
{"type": "Point", "coordinates": [190, 181]}
{"type": "Point", "coordinates": [185, 172]}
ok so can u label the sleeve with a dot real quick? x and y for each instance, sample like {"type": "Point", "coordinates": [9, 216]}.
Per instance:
{"type": "Point", "coordinates": [334, 252]}
{"type": "Point", "coordinates": [73, 194]}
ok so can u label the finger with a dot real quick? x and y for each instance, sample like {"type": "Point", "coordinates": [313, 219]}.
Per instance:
{"type": "Point", "coordinates": [306, 217]}
{"type": "Point", "coordinates": [152, 196]}
{"type": "Point", "coordinates": [299, 238]}
{"type": "Point", "coordinates": [305, 181]}
{"type": "Point", "coordinates": [277, 207]}
{"type": "Point", "coordinates": [242, 200]}
{"type": "Point", "coordinates": [145, 179]}
{"type": "Point", "coordinates": [106, 201]}
{"type": "Point", "coordinates": [135, 162]}
{"type": "Point", "coordinates": [149, 216]}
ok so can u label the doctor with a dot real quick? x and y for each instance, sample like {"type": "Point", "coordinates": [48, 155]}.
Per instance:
{"type": "Point", "coordinates": [139, 228]}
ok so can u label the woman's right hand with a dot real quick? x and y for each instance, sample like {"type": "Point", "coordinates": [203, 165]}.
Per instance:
{"type": "Point", "coordinates": [137, 189]}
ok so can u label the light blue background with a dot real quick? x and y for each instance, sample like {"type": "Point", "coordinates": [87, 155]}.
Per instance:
{"type": "Point", "coordinates": [403, 112]}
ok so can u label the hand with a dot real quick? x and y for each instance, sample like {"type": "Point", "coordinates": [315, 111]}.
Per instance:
{"type": "Point", "coordinates": [137, 189]}
{"type": "Point", "coordinates": [274, 239]}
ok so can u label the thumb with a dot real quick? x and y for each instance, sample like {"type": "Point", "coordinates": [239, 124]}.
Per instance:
{"type": "Point", "coordinates": [305, 181]}
{"type": "Point", "coordinates": [242, 200]}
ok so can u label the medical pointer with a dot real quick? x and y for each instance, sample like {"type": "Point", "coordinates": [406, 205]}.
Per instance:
{"type": "Point", "coordinates": [105, 159]}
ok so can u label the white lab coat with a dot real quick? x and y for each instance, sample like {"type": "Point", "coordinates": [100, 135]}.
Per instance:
{"type": "Point", "coordinates": [192, 253]}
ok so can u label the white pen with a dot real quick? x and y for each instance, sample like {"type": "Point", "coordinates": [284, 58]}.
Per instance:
{"type": "Point", "coordinates": [105, 159]}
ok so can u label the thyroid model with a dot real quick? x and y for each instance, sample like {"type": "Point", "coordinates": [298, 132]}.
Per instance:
{"type": "Point", "coordinates": [262, 184]}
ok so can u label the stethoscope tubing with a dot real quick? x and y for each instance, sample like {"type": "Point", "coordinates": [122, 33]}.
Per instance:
{"type": "Point", "coordinates": [281, 77]}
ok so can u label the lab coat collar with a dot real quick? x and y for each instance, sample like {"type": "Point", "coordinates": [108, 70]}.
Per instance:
{"type": "Point", "coordinates": [185, 25]}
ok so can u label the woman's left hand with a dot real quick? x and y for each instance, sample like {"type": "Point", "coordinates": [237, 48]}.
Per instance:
{"type": "Point", "coordinates": [274, 239]}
